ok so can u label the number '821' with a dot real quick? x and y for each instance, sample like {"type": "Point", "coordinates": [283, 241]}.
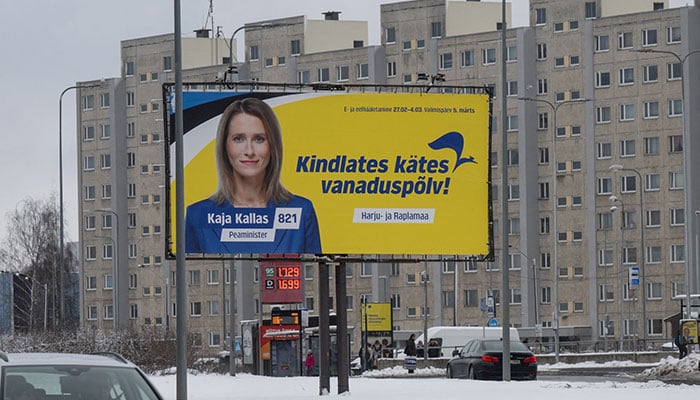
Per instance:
{"type": "Point", "coordinates": [287, 218]}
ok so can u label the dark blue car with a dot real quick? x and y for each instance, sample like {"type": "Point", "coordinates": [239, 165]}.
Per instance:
{"type": "Point", "coordinates": [483, 359]}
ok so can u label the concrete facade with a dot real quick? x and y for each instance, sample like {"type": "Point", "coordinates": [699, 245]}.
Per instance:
{"type": "Point", "coordinates": [593, 102]}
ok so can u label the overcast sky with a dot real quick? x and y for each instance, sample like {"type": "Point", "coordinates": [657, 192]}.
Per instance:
{"type": "Point", "coordinates": [50, 45]}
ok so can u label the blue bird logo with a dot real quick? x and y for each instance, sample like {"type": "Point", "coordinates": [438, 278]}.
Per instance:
{"type": "Point", "coordinates": [455, 141]}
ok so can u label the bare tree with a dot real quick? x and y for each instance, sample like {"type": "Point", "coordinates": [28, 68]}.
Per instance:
{"type": "Point", "coordinates": [30, 250]}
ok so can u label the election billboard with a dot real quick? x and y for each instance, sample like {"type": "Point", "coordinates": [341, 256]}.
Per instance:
{"type": "Point", "coordinates": [333, 172]}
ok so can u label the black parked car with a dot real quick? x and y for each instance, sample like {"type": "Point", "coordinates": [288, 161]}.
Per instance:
{"type": "Point", "coordinates": [482, 359]}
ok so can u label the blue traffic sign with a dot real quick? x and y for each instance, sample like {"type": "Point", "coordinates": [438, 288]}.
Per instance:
{"type": "Point", "coordinates": [493, 322]}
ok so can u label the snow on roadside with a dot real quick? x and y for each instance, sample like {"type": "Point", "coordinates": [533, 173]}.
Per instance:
{"type": "Point", "coordinates": [673, 368]}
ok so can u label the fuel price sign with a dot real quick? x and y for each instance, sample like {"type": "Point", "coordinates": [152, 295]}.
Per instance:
{"type": "Point", "coordinates": [281, 283]}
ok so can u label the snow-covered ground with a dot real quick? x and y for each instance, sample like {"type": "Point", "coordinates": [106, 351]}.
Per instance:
{"type": "Point", "coordinates": [395, 384]}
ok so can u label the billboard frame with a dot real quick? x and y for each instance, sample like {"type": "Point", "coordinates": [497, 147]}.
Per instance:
{"type": "Point", "coordinates": [263, 87]}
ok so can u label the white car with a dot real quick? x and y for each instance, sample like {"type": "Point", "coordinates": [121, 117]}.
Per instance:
{"type": "Point", "coordinates": [103, 376]}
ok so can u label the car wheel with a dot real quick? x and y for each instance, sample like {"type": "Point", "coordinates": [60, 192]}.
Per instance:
{"type": "Point", "coordinates": [471, 374]}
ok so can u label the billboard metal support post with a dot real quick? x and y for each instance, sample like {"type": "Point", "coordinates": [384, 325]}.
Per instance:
{"type": "Point", "coordinates": [324, 376]}
{"type": "Point", "coordinates": [342, 328]}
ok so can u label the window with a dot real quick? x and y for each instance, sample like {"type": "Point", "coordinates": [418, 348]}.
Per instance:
{"type": "Point", "coordinates": [590, 10]}
{"type": "Point", "coordinates": [541, 51]}
{"type": "Point", "coordinates": [649, 37]}
{"type": "Point", "coordinates": [626, 76]}
{"type": "Point", "coordinates": [436, 29]}
{"type": "Point", "coordinates": [651, 73]}
{"type": "Point", "coordinates": [543, 121]}
{"type": "Point", "coordinates": [143, 78]}
{"type": "Point", "coordinates": [107, 191]}
{"type": "Point", "coordinates": [390, 35]}
{"type": "Point", "coordinates": [269, 62]}
{"type": "Point", "coordinates": [602, 79]}
{"type": "Point", "coordinates": [654, 291]}
{"type": "Point", "coordinates": [91, 253]}
{"type": "Point", "coordinates": [606, 293]}
{"type": "Point", "coordinates": [104, 100]}
{"type": "Point", "coordinates": [303, 76]}
{"type": "Point", "coordinates": [677, 216]}
{"type": "Point", "coordinates": [653, 218]}
{"type": "Point", "coordinates": [628, 183]}
{"type": "Point", "coordinates": [542, 86]}
{"type": "Point", "coordinates": [130, 99]}
{"type": "Point", "coordinates": [544, 155]}
{"type": "Point", "coordinates": [105, 161]}
{"type": "Point", "coordinates": [514, 192]}
{"type": "Point", "coordinates": [89, 163]}
{"type": "Point", "coordinates": [323, 75]}
{"type": "Point", "coordinates": [129, 68]}
{"type": "Point", "coordinates": [651, 109]}
{"type": "Point", "coordinates": [515, 296]}
{"type": "Point", "coordinates": [513, 157]}
{"type": "Point", "coordinates": [675, 144]}
{"type": "Point", "coordinates": [651, 145]}
{"type": "Point", "coordinates": [673, 34]}
{"type": "Point", "coordinates": [604, 150]}
{"type": "Point", "coordinates": [675, 107]}
{"type": "Point", "coordinates": [540, 16]}
{"type": "Point", "coordinates": [544, 226]}
{"type": "Point", "coordinates": [213, 307]}
{"type": "Point", "coordinates": [558, 27]}
{"type": "Point", "coordinates": [89, 192]}
{"type": "Point", "coordinates": [420, 43]}
{"type": "Point", "coordinates": [407, 78]}
{"type": "Point", "coordinates": [677, 253]}
{"type": "Point", "coordinates": [391, 69]}
{"type": "Point", "coordinates": [624, 40]}
{"type": "Point", "coordinates": [546, 295]}
{"type": "Point", "coordinates": [514, 226]}
{"type": "Point", "coordinates": [466, 58]}
{"type": "Point", "coordinates": [91, 313]}
{"type": "Point", "coordinates": [448, 298]}
{"type": "Point", "coordinates": [213, 277]}
{"type": "Point", "coordinates": [604, 186]}
{"type": "Point", "coordinates": [512, 123]}
{"type": "Point", "coordinates": [471, 298]}
{"type": "Point", "coordinates": [109, 312]}
{"type": "Point", "coordinates": [107, 282]}
{"type": "Point", "coordinates": [88, 133]}
{"type": "Point", "coordinates": [195, 278]}
{"type": "Point", "coordinates": [406, 45]}
{"type": "Point", "coordinates": [88, 102]}
{"type": "Point", "coordinates": [573, 25]}
{"type": "Point", "coordinates": [559, 62]}
{"type": "Point", "coordinates": [445, 61]}
{"type": "Point", "coordinates": [602, 43]}
{"type": "Point", "coordinates": [91, 282]}
{"type": "Point", "coordinates": [362, 70]}
{"type": "Point", "coordinates": [254, 53]}
{"type": "Point", "coordinates": [195, 309]}
{"type": "Point", "coordinates": [602, 115]}
{"type": "Point", "coordinates": [675, 71]}
{"type": "Point", "coordinates": [512, 53]}
{"type": "Point", "coordinates": [295, 47]}
{"type": "Point", "coordinates": [512, 87]}
{"type": "Point", "coordinates": [652, 182]}
{"type": "Point", "coordinates": [342, 73]}
{"type": "Point", "coordinates": [627, 112]}
{"type": "Point", "coordinates": [488, 56]}
{"type": "Point", "coordinates": [560, 96]}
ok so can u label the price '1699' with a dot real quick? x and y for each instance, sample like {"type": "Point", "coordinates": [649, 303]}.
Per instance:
{"type": "Point", "coordinates": [289, 284]}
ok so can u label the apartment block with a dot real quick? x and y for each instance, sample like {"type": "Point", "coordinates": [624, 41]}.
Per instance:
{"type": "Point", "coordinates": [600, 158]}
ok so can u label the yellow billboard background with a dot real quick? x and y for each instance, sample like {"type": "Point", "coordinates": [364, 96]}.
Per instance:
{"type": "Point", "coordinates": [376, 317]}
{"type": "Point", "coordinates": [393, 130]}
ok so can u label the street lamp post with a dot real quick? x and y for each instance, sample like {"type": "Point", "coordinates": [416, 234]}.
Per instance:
{"type": "Point", "coordinates": [60, 197]}
{"type": "Point", "coordinates": [615, 199]}
{"type": "Point", "coordinates": [555, 314]}
{"type": "Point", "coordinates": [231, 59]}
{"type": "Point", "coordinates": [116, 287]}
{"type": "Point", "coordinates": [642, 283]}
{"type": "Point", "coordinates": [686, 168]}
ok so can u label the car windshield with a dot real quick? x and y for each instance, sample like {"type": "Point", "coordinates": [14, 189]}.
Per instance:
{"type": "Point", "coordinates": [497, 345]}
{"type": "Point", "coordinates": [104, 383]}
